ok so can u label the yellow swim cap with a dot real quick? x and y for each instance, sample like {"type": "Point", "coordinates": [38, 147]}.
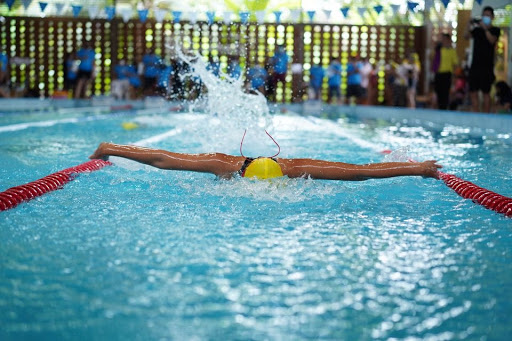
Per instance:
{"type": "Point", "coordinates": [129, 125]}
{"type": "Point", "coordinates": [263, 168]}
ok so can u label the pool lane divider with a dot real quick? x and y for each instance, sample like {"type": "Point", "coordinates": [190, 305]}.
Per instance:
{"type": "Point", "coordinates": [479, 195]}
{"type": "Point", "coordinates": [14, 196]}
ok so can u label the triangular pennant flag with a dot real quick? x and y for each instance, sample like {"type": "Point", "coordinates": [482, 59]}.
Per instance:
{"type": "Point", "coordinates": [26, 3]}
{"type": "Point", "coordinates": [260, 16]}
{"type": "Point", "coordinates": [9, 3]}
{"type": "Point", "coordinates": [159, 14]}
{"type": "Point", "coordinates": [211, 17]}
{"type": "Point", "coordinates": [227, 17]}
{"type": "Point", "coordinates": [344, 11]}
{"type": "Point", "coordinates": [192, 17]}
{"type": "Point", "coordinates": [244, 17]}
{"type": "Point", "coordinates": [176, 16]}
{"type": "Point", "coordinates": [412, 6]}
{"type": "Point", "coordinates": [462, 2]}
{"type": "Point", "coordinates": [278, 16]}
{"type": "Point", "coordinates": [76, 10]}
{"type": "Point", "coordinates": [378, 9]}
{"type": "Point", "coordinates": [327, 13]}
{"type": "Point", "coordinates": [479, 2]}
{"type": "Point", "coordinates": [395, 8]}
{"type": "Point", "coordinates": [295, 15]}
{"type": "Point", "coordinates": [143, 14]}
{"type": "Point", "coordinates": [361, 11]}
{"type": "Point", "coordinates": [110, 11]}
{"type": "Point", "coordinates": [94, 11]}
{"type": "Point", "coordinates": [126, 13]}
{"type": "Point", "coordinates": [43, 5]}
{"type": "Point", "coordinates": [445, 3]}
{"type": "Point", "coordinates": [311, 15]}
{"type": "Point", "coordinates": [59, 6]}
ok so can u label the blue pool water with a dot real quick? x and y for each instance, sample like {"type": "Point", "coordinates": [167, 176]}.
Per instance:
{"type": "Point", "coordinates": [130, 252]}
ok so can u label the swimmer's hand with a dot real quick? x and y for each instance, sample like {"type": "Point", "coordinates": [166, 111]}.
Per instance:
{"type": "Point", "coordinates": [429, 169]}
{"type": "Point", "coordinates": [100, 152]}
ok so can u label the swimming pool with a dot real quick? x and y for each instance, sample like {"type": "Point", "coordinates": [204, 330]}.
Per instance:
{"type": "Point", "coordinates": [129, 252]}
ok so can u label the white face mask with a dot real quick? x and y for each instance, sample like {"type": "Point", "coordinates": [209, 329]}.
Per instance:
{"type": "Point", "coordinates": [486, 20]}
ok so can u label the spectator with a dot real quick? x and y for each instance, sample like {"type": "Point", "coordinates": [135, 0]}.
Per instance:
{"type": "Point", "coordinates": [353, 80]}
{"type": "Point", "coordinates": [481, 72]}
{"type": "Point", "coordinates": [366, 72]}
{"type": "Point", "coordinates": [279, 64]}
{"type": "Point", "coordinates": [459, 93]}
{"type": "Point", "coordinates": [120, 86]}
{"type": "Point", "coordinates": [150, 62]}
{"type": "Point", "coordinates": [503, 97]}
{"type": "Point", "coordinates": [4, 75]}
{"type": "Point", "coordinates": [213, 66]}
{"type": "Point", "coordinates": [412, 68]}
{"type": "Point", "coordinates": [400, 84]}
{"type": "Point", "coordinates": [334, 80]}
{"type": "Point", "coordinates": [85, 75]}
{"type": "Point", "coordinates": [163, 81]}
{"type": "Point", "coordinates": [71, 65]}
{"type": "Point", "coordinates": [234, 69]}
{"type": "Point", "coordinates": [179, 69]}
{"type": "Point", "coordinates": [270, 81]}
{"type": "Point", "coordinates": [443, 77]}
{"type": "Point", "coordinates": [257, 77]}
{"type": "Point", "coordinates": [316, 79]}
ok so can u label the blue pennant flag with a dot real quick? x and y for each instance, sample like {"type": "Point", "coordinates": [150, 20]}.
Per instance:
{"type": "Point", "coordinates": [143, 15]}
{"type": "Point", "coordinates": [462, 2]}
{"type": "Point", "coordinates": [43, 5]}
{"type": "Point", "coordinates": [395, 8]}
{"type": "Point", "coordinates": [176, 15]}
{"type": "Point", "coordinates": [76, 10]}
{"type": "Point", "coordinates": [59, 6]}
{"type": "Point", "coordinates": [244, 17]}
{"type": "Point", "coordinates": [378, 9]}
{"type": "Point", "coordinates": [26, 3]}
{"type": "Point", "coordinates": [311, 15]}
{"type": "Point", "coordinates": [9, 3]}
{"type": "Point", "coordinates": [361, 11]}
{"type": "Point", "coordinates": [412, 5]}
{"type": "Point", "coordinates": [344, 11]}
{"type": "Point", "coordinates": [278, 16]}
{"type": "Point", "coordinates": [479, 2]}
{"type": "Point", "coordinates": [445, 3]}
{"type": "Point", "coordinates": [110, 11]}
{"type": "Point", "coordinates": [211, 17]}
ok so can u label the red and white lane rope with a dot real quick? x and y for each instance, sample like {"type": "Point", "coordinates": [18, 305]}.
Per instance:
{"type": "Point", "coordinates": [16, 195]}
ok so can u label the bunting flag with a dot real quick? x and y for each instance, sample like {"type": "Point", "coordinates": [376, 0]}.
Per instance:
{"type": "Point", "coordinates": [295, 15]}
{"type": "Point", "coordinates": [260, 16]}
{"type": "Point", "coordinates": [159, 14]}
{"type": "Point", "coordinates": [43, 6]}
{"type": "Point", "coordinates": [176, 17]}
{"type": "Point", "coordinates": [479, 2]}
{"type": "Point", "coordinates": [110, 11]}
{"type": "Point", "coordinates": [445, 3]}
{"type": "Point", "coordinates": [9, 3]}
{"type": "Point", "coordinates": [244, 17]}
{"type": "Point", "coordinates": [327, 13]}
{"type": "Point", "coordinates": [395, 8]}
{"type": "Point", "coordinates": [192, 17]}
{"type": "Point", "coordinates": [94, 11]}
{"type": "Point", "coordinates": [378, 9]}
{"type": "Point", "coordinates": [211, 17]}
{"type": "Point", "coordinates": [361, 11]}
{"type": "Point", "coordinates": [412, 6]}
{"type": "Point", "coordinates": [462, 2]}
{"type": "Point", "coordinates": [126, 13]}
{"type": "Point", "coordinates": [278, 16]}
{"type": "Point", "coordinates": [26, 3]}
{"type": "Point", "coordinates": [76, 10]}
{"type": "Point", "coordinates": [59, 6]}
{"type": "Point", "coordinates": [226, 16]}
{"type": "Point", "coordinates": [143, 14]}
{"type": "Point", "coordinates": [344, 11]}
{"type": "Point", "coordinates": [311, 15]}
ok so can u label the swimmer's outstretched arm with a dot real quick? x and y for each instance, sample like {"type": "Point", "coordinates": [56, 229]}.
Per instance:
{"type": "Point", "coordinates": [328, 170]}
{"type": "Point", "coordinates": [216, 163]}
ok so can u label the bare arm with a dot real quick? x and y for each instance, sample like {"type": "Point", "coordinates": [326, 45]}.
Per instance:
{"type": "Point", "coordinates": [216, 163]}
{"type": "Point", "coordinates": [328, 170]}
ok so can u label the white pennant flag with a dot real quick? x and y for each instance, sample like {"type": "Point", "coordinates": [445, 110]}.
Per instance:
{"type": "Point", "coordinates": [94, 11]}
{"type": "Point", "coordinates": [260, 16]}
{"type": "Point", "coordinates": [159, 14]}
{"type": "Point", "coordinates": [227, 17]}
{"type": "Point", "coordinates": [126, 13]}
{"type": "Point", "coordinates": [327, 13]}
{"type": "Point", "coordinates": [59, 6]}
{"type": "Point", "coordinates": [192, 17]}
{"type": "Point", "coordinates": [294, 15]}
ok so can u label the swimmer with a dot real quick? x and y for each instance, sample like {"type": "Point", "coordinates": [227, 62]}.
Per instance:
{"type": "Point", "coordinates": [225, 166]}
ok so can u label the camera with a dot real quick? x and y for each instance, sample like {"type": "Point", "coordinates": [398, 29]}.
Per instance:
{"type": "Point", "coordinates": [475, 20]}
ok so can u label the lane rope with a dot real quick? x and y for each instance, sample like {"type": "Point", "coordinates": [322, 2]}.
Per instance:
{"type": "Point", "coordinates": [14, 196]}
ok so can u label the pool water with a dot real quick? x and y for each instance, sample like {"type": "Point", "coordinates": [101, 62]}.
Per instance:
{"type": "Point", "coordinates": [132, 252]}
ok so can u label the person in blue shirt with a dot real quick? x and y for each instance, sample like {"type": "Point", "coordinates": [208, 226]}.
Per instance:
{"type": "Point", "coordinates": [163, 80]}
{"type": "Point", "coordinates": [71, 64]}
{"type": "Point", "coordinates": [257, 77]}
{"type": "Point", "coordinates": [87, 57]}
{"type": "Point", "coordinates": [213, 66]}
{"type": "Point", "coordinates": [4, 75]}
{"type": "Point", "coordinates": [279, 65]}
{"type": "Point", "coordinates": [150, 63]}
{"type": "Point", "coordinates": [316, 78]}
{"type": "Point", "coordinates": [334, 80]}
{"type": "Point", "coordinates": [353, 80]}
{"type": "Point", "coordinates": [234, 69]}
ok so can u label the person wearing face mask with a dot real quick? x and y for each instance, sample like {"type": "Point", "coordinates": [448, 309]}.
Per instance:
{"type": "Point", "coordinates": [481, 73]}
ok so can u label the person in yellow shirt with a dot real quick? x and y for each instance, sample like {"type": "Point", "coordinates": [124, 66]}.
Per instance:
{"type": "Point", "coordinates": [443, 78]}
